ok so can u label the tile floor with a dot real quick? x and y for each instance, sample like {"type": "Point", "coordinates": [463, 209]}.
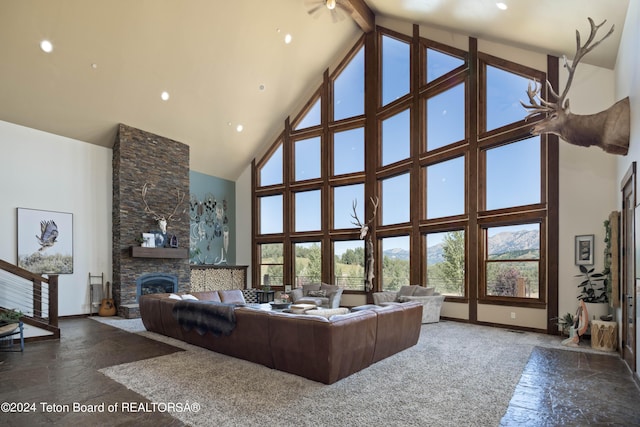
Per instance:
{"type": "Point", "coordinates": [557, 387]}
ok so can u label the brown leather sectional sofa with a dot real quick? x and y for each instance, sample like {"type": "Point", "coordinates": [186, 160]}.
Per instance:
{"type": "Point", "coordinates": [314, 347]}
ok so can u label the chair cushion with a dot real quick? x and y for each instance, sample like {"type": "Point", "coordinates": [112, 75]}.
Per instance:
{"type": "Point", "coordinates": [421, 291]}
{"type": "Point", "coordinates": [329, 288]}
{"type": "Point", "coordinates": [406, 291]}
{"type": "Point", "coordinates": [296, 294]}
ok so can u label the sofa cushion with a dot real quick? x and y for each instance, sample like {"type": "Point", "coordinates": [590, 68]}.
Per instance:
{"type": "Point", "coordinates": [327, 312]}
{"type": "Point", "coordinates": [207, 295]}
{"type": "Point", "coordinates": [233, 296]}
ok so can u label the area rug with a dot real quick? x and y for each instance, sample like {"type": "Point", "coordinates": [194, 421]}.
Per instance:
{"type": "Point", "coordinates": [457, 374]}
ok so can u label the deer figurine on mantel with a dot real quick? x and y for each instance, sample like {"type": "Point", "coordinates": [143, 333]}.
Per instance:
{"type": "Point", "coordinates": [364, 233]}
{"type": "Point", "coordinates": [609, 129]}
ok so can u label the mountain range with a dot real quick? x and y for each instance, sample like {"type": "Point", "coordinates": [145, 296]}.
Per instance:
{"type": "Point", "coordinates": [502, 243]}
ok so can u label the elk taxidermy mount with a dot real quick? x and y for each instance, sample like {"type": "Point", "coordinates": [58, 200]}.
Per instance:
{"type": "Point", "coordinates": [609, 129]}
{"type": "Point", "coordinates": [162, 219]}
{"type": "Point", "coordinates": [364, 233]}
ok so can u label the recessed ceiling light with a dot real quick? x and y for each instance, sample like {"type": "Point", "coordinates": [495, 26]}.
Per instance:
{"type": "Point", "coordinates": [287, 38]}
{"type": "Point", "coordinates": [165, 96]}
{"type": "Point", "coordinates": [239, 128]}
{"type": "Point", "coordinates": [46, 46]}
{"type": "Point", "coordinates": [261, 87]}
{"type": "Point", "coordinates": [501, 5]}
{"type": "Point", "coordinates": [94, 66]}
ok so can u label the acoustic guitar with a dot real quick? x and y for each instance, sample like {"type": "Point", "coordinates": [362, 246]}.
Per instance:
{"type": "Point", "coordinates": [107, 307]}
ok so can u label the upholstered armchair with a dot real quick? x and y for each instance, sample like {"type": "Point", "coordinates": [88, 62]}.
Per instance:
{"type": "Point", "coordinates": [320, 294]}
{"type": "Point", "coordinates": [431, 300]}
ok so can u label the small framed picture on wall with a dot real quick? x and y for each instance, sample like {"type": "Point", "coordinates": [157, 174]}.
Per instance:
{"type": "Point", "coordinates": [584, 249]}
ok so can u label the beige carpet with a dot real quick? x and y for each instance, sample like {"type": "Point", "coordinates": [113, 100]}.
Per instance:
{"type": "Point", "coordinates": [457, 375]}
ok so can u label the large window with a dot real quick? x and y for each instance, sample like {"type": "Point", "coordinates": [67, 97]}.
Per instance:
{"type": "Point", "coordinates": [512, 261]}
{"type": "Point", "coordinates": [395, 262]}
{"type": "Point", "coordinates": [439, 168]}
{"type": "Point", "coordinates": [271, 264]}
{"type": "Point", "coordinates": [348, 264]}
{"type": "Point", "coordinates": [445, 262]}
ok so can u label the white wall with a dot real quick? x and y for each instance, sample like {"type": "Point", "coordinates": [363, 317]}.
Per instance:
{"type": "Point", "coordinates": [628, 84]}
{"type": "Point", "coordinates": [243, 221]}
{"type": "Point", "coordinates": [49, 172]}
{"type": "Point", "coordinates": [587, 182]}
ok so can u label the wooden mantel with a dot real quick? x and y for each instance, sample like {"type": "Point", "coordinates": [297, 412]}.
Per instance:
{"type": "Point", "coordinates": [141, 252]}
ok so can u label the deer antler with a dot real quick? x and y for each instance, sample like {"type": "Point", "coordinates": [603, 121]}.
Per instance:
{"type": "Point", "coordinates": [364, 228]}
{"type": "Point", "coordinates": [179, 196]}
{"type": "Point", "coordinates": [581, 51]}
{"type": "Point", "coordinates": [561, 100]}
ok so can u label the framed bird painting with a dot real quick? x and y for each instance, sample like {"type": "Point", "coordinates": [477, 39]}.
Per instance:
{"type": "Point", "coordinates": [45, 241]}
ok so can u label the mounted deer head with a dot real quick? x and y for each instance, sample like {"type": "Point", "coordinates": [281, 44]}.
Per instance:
{"type": "Point", "coordinates": [162, 219]}
{"type": "Point", "coordinates": [364, 228]}
{"type": "Point", "coordinates": [608, 129]}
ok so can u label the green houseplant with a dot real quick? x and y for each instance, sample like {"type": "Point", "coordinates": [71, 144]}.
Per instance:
{"type": "Point", "coordinates": [593, 291]}
{"type": "Point", "coordinates": [565, 322]}
{"type": "Point", "coordinates": [10, 316]}
{"type": "Point", "coordinates": [593, 288]}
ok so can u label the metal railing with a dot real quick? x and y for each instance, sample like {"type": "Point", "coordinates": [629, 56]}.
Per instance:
{"type": "Point", "coordinates": [33, 295]}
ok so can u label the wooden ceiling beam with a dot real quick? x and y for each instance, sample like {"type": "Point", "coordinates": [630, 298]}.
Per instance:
{"type": "Point", "coordinates": [362, 15]}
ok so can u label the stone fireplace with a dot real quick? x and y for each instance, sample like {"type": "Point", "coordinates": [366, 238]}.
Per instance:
{"type": "Point", "coordinates": [156, 283]}
{"type": "Point", "coordinates": [141, 158]}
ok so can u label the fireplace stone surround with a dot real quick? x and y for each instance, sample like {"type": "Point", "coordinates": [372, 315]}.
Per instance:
{"type": "Point", "coordinates": [140, 157]}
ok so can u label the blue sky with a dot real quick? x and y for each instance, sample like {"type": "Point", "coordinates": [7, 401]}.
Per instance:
{"type": "Point", "coordinates": [513, 171]}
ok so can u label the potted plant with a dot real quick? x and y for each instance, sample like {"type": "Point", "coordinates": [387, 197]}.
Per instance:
{"type": "Point", "coordinates": [593, 291]}
{"type": "Point", "coordinates": [565, 322]}
{"type": "Point", "coordinates": [10, 316]}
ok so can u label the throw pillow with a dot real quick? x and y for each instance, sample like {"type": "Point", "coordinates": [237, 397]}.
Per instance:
{"type": "Point", "coordinates": [312, 287]}
{"type": "Point", "coordinates": [250, 296]}
{"type": "Point", "coordinates": [174, 296]}
{"type": "Point", "coordinates": [189, 297]}
{"type": "Point", "coordinates": [319, 293]}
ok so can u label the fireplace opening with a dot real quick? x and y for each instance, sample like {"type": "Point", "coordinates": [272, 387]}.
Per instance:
{"type": "Point", "coordinates": [156, 283]}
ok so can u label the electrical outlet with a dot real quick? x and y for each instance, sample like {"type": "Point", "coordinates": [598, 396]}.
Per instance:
{"type": "Point", "coordinates": [513, 315]}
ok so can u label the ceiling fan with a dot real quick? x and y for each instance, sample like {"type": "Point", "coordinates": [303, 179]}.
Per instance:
{"type": "Point", "coordinates": [339, 9]}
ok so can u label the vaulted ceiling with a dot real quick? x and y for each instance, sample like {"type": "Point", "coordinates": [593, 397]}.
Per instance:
{"type": "Point", "coordinates": [226, 63]}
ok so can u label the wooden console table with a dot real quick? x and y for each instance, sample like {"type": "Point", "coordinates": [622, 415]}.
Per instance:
{"type": "Point", "coordinates": [206, 277]}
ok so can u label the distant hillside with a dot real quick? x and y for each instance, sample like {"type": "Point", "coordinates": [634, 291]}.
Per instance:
{"type": "Point", "coordinates": [396, 253]}
{"type": "Point", "coordinates": [507, 245]}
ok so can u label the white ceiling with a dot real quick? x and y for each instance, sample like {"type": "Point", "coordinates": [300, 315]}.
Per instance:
{"type": "Point", "coordinates": [212, 56]}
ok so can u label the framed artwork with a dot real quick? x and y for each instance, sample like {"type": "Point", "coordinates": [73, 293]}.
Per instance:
{"type": "Point", "coordinates": [148, 240]}
{"type": "Point", "coordinates": [584, 249]}
{"type": "Point", "coordinates": [287, 288]}
{"type": "Point", "coordinates": [45, 241]}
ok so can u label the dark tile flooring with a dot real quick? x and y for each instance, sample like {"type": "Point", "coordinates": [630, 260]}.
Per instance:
{"type": "Point", "coordinates": [557, 387]}
{"type": "Point", "coordinates": [571, 388]}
